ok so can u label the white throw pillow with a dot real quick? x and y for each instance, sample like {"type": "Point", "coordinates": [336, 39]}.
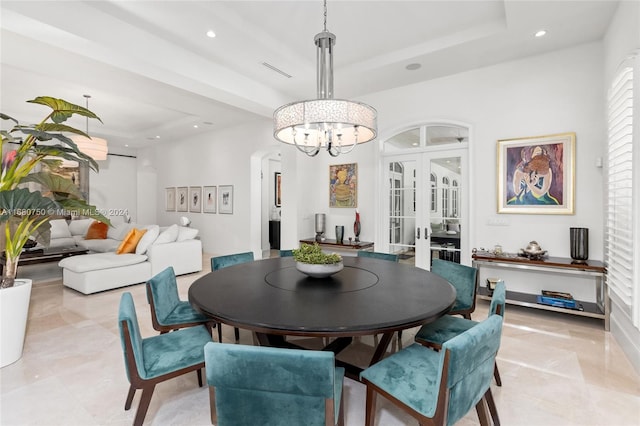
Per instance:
{"type": "Point", "coordinates": [80, 226]}
{"type": "Point", "coordinates": [185, 233]}
{"type": "Point", "coordinates": [59, 229]}
{"type": "Point", "coordinates": [148, 238]}
{"type": "Point", "coordinates": [169, 235]}
{"type": "Point", "coordinates": [119, 231]}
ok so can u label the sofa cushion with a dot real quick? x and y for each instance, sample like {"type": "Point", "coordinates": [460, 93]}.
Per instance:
{"type": "Point", "coordinates": [97, 231]}
{"type": "Point", "coordinates": [100, 246]}
{"type": "Point", "coordinates": [148, 238]}
{"type": "Point", "coordinates": [130, 242]}
{"type": "Point", "coordinates": [169, 235]}
{"type": "Point", "coordinates": [97, 261]}
{"type": "Point", "coordinates": [59, 229]}
{"type": "Point", "coordinates": [62, 242]}
{"type": "Point", "coordinates": [185, 233]}
{"type": "Point", "coordinates": [119, 231]}
{"type": "Point", "coordinates": [80, 226]}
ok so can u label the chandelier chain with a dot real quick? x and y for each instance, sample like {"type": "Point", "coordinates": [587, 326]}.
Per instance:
{"type": "Point", "coordinates": [325, 15]}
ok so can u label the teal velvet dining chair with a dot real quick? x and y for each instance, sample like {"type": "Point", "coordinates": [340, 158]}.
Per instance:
{"type": "Point", "coordinates": [258, 385]}
{"type": "Point", "coordinates": [447, 327]}
{"type": "Point", "coordinates": [286, 253]}
{"type": "Point", "coordinates": [463, 278]}
{"type": "Point", "coordinates": [149, 361]}
{"type": "Point", "coordinates": [378, 255]}
{"type": "Point", "coordinates": [168, 312]}
{"type": "Point", "coordinates": [220, 262]}
{"type": "Point", "coordinates": [439, 388]}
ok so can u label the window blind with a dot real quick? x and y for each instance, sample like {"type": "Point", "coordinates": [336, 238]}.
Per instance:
{"type": "Point", "coordinates": [619, 230]}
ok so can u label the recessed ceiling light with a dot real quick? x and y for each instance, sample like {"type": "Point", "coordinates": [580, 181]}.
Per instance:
{"type": "Point", "coordinates": [157, 136]}
{"type": "Point", "coordinates": [541, 33]}
{"type": "Point", "coordinates": [195, 126]}
{"type": "Point", "coordinates": [211, 34]}
{"type": "Point", "coordinates": [415, 144]}
{"type": "Point", "coordinates": [413, 67]}
{"type": "Point", "coordinates": [126, 145]}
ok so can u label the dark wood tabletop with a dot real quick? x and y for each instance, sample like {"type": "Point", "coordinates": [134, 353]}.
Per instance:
{"type": "Point", "coordinates": [369, 296]}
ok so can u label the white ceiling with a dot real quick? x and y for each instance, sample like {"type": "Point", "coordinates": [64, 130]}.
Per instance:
{"type": "Point", "coordinates": [151, 71]}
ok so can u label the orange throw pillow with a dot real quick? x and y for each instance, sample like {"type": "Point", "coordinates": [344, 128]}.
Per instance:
{"type": "Point", "coordinates": [97, 231]}
{"type": "Point", "coordinates": [128, 245]}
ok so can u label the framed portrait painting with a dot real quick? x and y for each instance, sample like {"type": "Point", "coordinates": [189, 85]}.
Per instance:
{"type": "Point", "coordinates": [278, 189]}
{"type": "Point", "coordinates": [343, 185]}
{"type": "Point", "coordinates": [209, 199]}
{"type": "Point", "coordinates": [195, 199]}
{"type": "Point", "coordinates": [170, 199]}
{"type": "Point", "coordinates": [536, 175]}
{"type": "Point", "coordinates": [225, 199]}
{"type": "Point", "coordinates": [182, 198]}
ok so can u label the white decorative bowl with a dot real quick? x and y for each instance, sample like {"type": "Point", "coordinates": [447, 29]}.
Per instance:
{"type": "Point", "coordinates": [319, 271]}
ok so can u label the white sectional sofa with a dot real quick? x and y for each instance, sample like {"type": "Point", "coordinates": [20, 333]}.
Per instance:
{"type": "Point", "coordinates": [103, 269]}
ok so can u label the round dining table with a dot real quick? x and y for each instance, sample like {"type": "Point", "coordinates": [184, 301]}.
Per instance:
{"type": "Point", "coordinates": [367, 297]}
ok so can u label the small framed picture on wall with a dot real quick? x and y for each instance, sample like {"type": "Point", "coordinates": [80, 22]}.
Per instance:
{"type": "Point", "coordinates": [225, 199]}
{"type": "Point", "coordinates": [209, 199]}
{"type": "Point", "coordinates": [170, 198]}
{"type": "Point", "coordinates": [182, 195]}
{"type": "Point", "coordinates": [195, 199]}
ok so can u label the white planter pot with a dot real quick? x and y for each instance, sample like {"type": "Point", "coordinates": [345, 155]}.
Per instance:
{"type": "Point", "coordinates": [319, 271]}
{"type": "Point", "coordinates": [14, 309]}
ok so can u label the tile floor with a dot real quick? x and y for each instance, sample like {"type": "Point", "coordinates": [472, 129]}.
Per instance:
{"type": "Point", "coordinates": [556, 369]}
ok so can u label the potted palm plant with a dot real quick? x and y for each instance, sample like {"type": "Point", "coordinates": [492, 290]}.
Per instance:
{"type": "Point", "coordinates": [32, 153]}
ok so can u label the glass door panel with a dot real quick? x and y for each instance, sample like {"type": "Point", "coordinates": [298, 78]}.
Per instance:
{"type": "Point", "coordinates": [402, 208]}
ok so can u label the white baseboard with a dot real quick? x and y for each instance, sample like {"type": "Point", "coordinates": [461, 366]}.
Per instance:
{"type": "Point", "coordinates": [627, 336]}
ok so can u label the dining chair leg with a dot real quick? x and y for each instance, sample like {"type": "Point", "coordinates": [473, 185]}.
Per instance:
{"type": "Point", "coordinates": [130, 395]}
{"type": "Point", "coordinates": [199, 374]}
{"type": "Point", "coordinates": [493, 410]}
{"type": "Point", "coordinates": [496, 374]}
{"type": "Point", "coordinates": [212, 405]}
{"type": "Point", "coordinates": [481, 409]}
{"type": "Point", "coordinates": [237, 333]}
{"type": "Point", "coordinates": [219, 325]}
{"type": "Point", "coordinates": [147, 392]}
{"type": "Point", "coordinates": [370, 416]}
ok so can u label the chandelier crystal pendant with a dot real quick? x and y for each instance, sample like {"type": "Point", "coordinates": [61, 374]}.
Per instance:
{"type": "Point", "coordinates": [94, 147]}
{"type": "Point", "coordinates": [336, 125]}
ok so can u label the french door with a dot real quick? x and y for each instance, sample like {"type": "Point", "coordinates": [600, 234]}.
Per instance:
{"type": "Point", "coordinates": [426, 203]}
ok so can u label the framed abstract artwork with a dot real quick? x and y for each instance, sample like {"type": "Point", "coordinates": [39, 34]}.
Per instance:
{"type": "Point", "coordinates": [343, 185]}
{"type": "Point", "coordinates": [209, 199]}
{"type": "Point", "coordinates": [170, 199]}
{"type": "Point", "coordinates": [225, 199]}
{"type": "Point", "coordinates": [182, 196]}
{"type": "Point", "coordinates": [195, 199]}
{"type": "Point", "coordinates": [536, 175]}
{"type": "Point", "coordinates": [278, 189]}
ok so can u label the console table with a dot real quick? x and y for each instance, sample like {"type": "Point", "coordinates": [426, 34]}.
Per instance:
{"type": "Point", "coordinates": [559, 265]}
{"type": "Point", "coordinates": [51, 254]}
{"type": "Point", "coordinates": [350, 249]}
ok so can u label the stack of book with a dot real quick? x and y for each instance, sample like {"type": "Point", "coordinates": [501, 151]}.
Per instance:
{"type": "Point", "coordinates": [559, 300]}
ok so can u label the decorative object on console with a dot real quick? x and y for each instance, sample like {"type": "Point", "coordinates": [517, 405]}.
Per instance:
{"type": "Point", "coordinates": [533, 251]}
{"type": "Point", "coordinates": [334, 124]}
{"type": "Point", "coordinates": [312, 261]}
{"type": "Point", "coordinates": [339, 234]}
{"type": "Point", "coordinates": [321, 220]}
{"type": "Point", "coordinates": [536, 175]}
{"type": "Point", "coordinates": [357, 227]}
{"type": "Point", "coordinates": [225, 199]}
{"type": "Point", "coordinates": [185, 221]}
{"type": "Point", "coordinates": [579, 239]}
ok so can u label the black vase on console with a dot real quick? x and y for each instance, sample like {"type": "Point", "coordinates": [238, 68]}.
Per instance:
{"type": "Point", "coordinates": [579, 240]}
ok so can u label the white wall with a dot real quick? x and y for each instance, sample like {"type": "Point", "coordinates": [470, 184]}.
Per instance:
{"type": "Point", "coordinates": [622, 39]}
{"type": "Point", "coordinates": [113, 190]}
{"type": "Point", "coordinates": [217, 158]}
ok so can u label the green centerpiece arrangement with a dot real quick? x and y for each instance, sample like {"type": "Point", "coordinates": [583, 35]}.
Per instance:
{"type": "Point", "coordinates": [312, 261]}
